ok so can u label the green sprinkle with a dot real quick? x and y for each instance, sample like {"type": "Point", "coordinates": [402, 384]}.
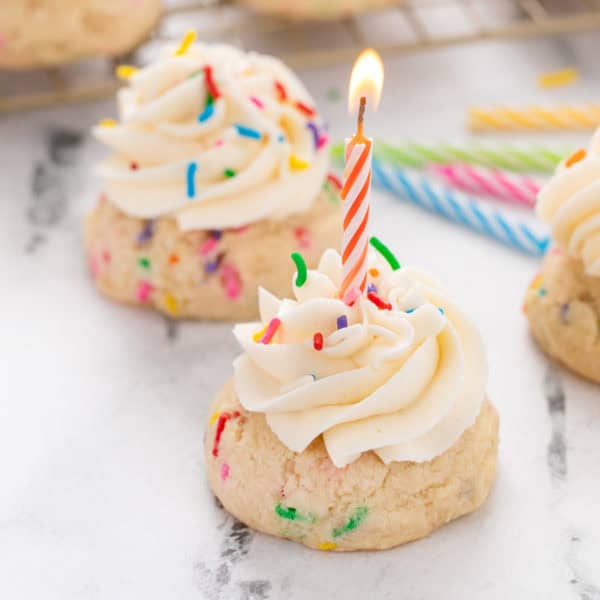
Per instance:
{"type": "Point", "coordinates": [291, 514]}
{"type": "Point", "coordinates": [385, 252]}
{"type": "Point", "coordinates": [144, 262]}
{"type": "Point", "coordinates": [542, 291]}
{"type": "Point", "coordinates": [209, 100]}
{"type": "Point", "coordinates": [359, 515]}
{"type": "Point", "coordinates": [301, 266]}
{"type": "Point", "coordinates": [229, 173]}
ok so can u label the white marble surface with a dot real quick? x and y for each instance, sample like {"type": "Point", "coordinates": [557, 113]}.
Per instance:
{"type": "Point", "coordinates": [102, 487]}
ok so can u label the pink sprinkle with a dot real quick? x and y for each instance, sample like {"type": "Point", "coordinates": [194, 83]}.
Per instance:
{"type": "Point", "coordinates": [94, 269]}
{"type": "Point", "coordinates": [257, 102]}
{"type": "Point", "coordinates": [208, 245]}
{"type": "Point", "coordinates": [323, 140]}
{"type": "Point", "coordinates": [224, 471]}
{"type": "Point", "coordinates": [271, 331]}
{"type": "Point", "coordinates": [106, 256]}
{"type": "Point", "coordinates": [230, 280]}
{"type": "Point", "coordinates": [302, 236]}
{"type": "Point", "coordinates": [219, 142]}
{"type": "Point", "coordinates": [144, 290]}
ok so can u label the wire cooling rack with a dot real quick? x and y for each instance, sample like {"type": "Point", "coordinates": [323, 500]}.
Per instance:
{"type": "Point", "coordinates": [409, 25]}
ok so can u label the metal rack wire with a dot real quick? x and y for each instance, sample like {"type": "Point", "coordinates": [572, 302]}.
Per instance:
{"type": "Point", "coordinates": [408, 26]}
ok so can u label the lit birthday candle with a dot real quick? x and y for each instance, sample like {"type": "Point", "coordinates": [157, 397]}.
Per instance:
{"type": "Point", "coordinates": [366, 80]}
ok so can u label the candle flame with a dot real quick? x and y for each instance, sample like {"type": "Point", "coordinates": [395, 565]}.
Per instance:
{"type": "Point", "coordinates": [366, 79]}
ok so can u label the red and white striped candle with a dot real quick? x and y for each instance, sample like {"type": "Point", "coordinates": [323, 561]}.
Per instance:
{"type": "Point", "coordinates": [356, 198]}
{"type": "Point", "coordinates": [366, 80]}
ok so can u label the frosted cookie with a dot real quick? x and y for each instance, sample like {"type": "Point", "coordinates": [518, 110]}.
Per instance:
{"type": "Point", "coordinates": [53, 32]}
{"type": "Point", "coordinates": [563, 301]}
{"type": "Point", "coordinates": [354, 427]}
{"type": "Point", "coordinates": [316, 9]}
{"type": "Point", "coordinates": [219, 170]}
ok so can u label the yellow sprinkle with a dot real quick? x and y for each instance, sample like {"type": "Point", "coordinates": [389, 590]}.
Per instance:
{"type": "Point", "coordinates": [536, 282]}
{"type": "Point", "coordinates": [327, 546]}
{"type": "Point", "coordinates": [256, 337]}
{"type": "Point", "coordinates": [213, 418]}
{"type": "Point", "coordinates": [171, 304]}
{"type": "Point", "coordinates": [298, 164]}
{"type": "Point", "coordinates": [558, 78]}
{"type": "Point", "coordinates": [186, 42]}
{"type": "Point", "coordinates": [108, 123]}
{"type": "Point", "coordinates": [125, 71]}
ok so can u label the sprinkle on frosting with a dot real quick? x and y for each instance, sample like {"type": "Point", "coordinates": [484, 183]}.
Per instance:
{"type": "Point", "coordinates": [385, 252]}
{"type": "Point", "coordinates": [191, 180]}
{"type": "Point", "coordinates": [300, 267]}
{"type": "Point", "coordinates": [297, 163]}
{"type": "Point", "coordinates": [342, 322]}
{"type": "Point", "coordinates": [270, 332]}
{"type": "Point", "coordinates": [108, 123]}
{"type": "Point", "coordinates": [575, 157]}
{"type": "Point", "coordinates": [318, 341]}
{"type": "Point", "coordinates": [207, 113]}
{"type": "Point", "coordinates": [248, 132]}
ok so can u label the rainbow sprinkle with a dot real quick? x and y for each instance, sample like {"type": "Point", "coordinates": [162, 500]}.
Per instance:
{"type": "Point", "coordinates": [258, 335]}
{"type": "Point", "coordinates": [327, 546]}
{"type": "Point", "coordinates": [229, 173]}
{"type": "Point", "coordinates": [270, 332]}
{"type": "Point", "coordinates": [359, 515]}
{"type": "Point", "coordinates": [191, 181]}
{"type": "Point", "coordinates": [315, 131]}
{"type": "Point", "coordinates": [318, 341]}
{"type": "Point", "coordinates": [247, 131]}
{"type": "Point", "coordinates": [231, 281]}
{"type": "Point", "coordinates": [342, 322]}
{"type": "Point", "coordinates": [144, 289]}
{"type": "Point", "coordinates": [297, 163]}
{"type": "Point", "coordinates": [186, 42]}
{"type": "Point", "coordinates": [291, 514]}
{"type": "Point", "coordinates": [125, 71]}
{"type": "Point", "coordinates": [213, 90]}
{"type": "Point", "coordinates": [304, 108]}
{"type": "Point", "coordinates": [207, 113]}
{"type": "Point", "coordinates": [144, 262]}
{"type": "Point", "coordinates": [108, 123]}
{"type": "Point", "coordinates": [224, 471]}
{"type": "Point", "coordinates": [257, 102]}
{"type": "Point", "coordinates": [385, 252]}
{"type": "Point", "coordinates": [208, 246]}
{"type": "Point", "coordinates": [221, 421]}
{"type": "Point", "coordinates": [171, 304]}
{"type": "Point", "coordinates": [147, 232]}
{"type": "Point", "coordinates": [213, 418]}
{"type": "Point", "coordinates": [301, 268]}
{"type": "Point", "coordinates": [281, 91]}
{"type": "Point", "coordinates": [378, 302]}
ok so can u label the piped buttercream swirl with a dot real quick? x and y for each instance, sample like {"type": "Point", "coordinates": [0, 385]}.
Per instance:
{"type": "Point", "coordinates": [570, 202]}
{"type": "Point", "coordinates": [404, 381]}
{"type": "Point", "coordinates": [216, 138]}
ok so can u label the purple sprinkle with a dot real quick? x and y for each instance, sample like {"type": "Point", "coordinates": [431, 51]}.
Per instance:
{"type": "Point", "coordinates": [342, 322]}
{"type": "Point", "coordinates": [211, 266]}
{"type": "Point", "coordinates": [315, 132]}
{"type": "Point", "coordinates": [216, 234]}
{"type": "Point", "coordinates": [147, 231]}
{"type": "Point", "coordinates": [372, 288]}
{"type": "Point", "coordinates": [564, 310]}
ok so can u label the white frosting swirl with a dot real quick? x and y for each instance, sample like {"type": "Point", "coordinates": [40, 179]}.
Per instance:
{"type": "Point", "coordinates": [570, 202]}
{"type": "Point", "coordinates": [238, 179]}
{"type": "Point", "coordinates": [404, 383]}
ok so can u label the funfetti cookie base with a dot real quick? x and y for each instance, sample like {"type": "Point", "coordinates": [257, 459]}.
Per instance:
{"type": "Point", "coordinates": [366, 505]}
{"type": "Point", "coordinates": [203, 274]}
{"type": "Point", "coordinates": [562, 305]}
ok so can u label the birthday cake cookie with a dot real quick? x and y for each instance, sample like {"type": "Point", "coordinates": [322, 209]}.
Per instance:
{"type": "Point", "coordinates": [563, 301]}
{"type": "Point", "coordinates": [354, 426]}
{"type": "Point", "coordinates": [218, 173]}
{"type": "Point", "coordinates": [53, 32]}
{"type": "Point", "coordinates": [316, 9]}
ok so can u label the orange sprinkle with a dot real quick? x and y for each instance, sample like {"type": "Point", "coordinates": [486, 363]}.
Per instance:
{"type": "Point", "coordinates": [575, 157]}
{"type": "Point", "coordinates": [173, 259]}
{"type": "Point", "coordinates": [374, 272]}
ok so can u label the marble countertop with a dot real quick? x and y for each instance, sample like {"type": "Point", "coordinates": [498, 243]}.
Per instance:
{"type": "Point", "coordinates": [102, 486]}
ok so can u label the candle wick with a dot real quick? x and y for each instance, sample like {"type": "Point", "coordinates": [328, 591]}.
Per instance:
{"type": "Point", "coordinates": [361, 116]}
